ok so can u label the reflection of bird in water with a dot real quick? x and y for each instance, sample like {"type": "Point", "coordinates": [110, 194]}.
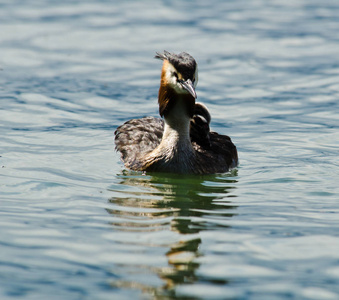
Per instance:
{"type": "Point", "coordinates": [183, 142]}
{"type": "Point", "coordinates": [170, 215]}
{"type": "Point", "coordinates": [165, 198]}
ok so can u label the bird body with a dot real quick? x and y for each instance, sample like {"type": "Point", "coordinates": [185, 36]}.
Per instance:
{"type": "Point", "coordinates": [181, 142]}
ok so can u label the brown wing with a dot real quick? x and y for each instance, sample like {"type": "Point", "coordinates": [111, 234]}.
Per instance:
{"type": "Point", "coordinates": [138, 136]}
{"type": "Point", "coordinates": [216, 152]}
{"type": "Point", "coordinates": [220, 157]}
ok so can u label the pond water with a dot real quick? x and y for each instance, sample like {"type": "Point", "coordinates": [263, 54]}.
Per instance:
{"type": "Point", "coordinates": [76, 225]}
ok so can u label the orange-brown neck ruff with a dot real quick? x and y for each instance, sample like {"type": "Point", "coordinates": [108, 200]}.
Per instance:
{"type": "Point", "coordinates": [167, 96]}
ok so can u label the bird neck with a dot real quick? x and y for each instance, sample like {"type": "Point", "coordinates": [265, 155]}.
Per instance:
{"type": "Point", "coordinates": [175, 149]}
{"type": "Point", "coordinates": [175, 152]}
{"type": "Point", "coordinates": [177, 127]}
{"type": "Point", "coordinates": [177, 110]}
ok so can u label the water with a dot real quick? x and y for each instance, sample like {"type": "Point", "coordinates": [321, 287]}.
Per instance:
{"type": "Point", "coordinates": [76, 225]}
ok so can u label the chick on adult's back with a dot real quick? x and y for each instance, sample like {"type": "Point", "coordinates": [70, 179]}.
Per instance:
{"type": "Point", "coordinates": [181, 142]}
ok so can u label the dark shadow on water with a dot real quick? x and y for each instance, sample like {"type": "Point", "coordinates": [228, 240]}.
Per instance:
{"type": "Point", "coordinates": [185, 205]}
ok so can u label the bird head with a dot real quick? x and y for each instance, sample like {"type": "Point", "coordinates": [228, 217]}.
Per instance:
{"type": "Point", "coordinates": [179, 78]}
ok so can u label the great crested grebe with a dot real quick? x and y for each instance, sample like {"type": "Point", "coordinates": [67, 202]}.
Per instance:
{"type": "Point", "coordinates": [181, 142]}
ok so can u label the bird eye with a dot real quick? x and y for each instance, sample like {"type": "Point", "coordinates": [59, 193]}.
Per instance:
{"type": "Point", "coordinates": [175, 74]}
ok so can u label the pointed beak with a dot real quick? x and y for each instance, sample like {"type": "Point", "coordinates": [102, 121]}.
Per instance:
{"type": "Point", "coordinates": [188, 86]}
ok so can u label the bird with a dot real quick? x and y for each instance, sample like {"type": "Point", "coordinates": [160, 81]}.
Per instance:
{"type": "Point", "coordinates": [181, 140]}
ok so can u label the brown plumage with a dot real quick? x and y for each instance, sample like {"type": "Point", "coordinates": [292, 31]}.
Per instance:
{"type": "Point", "coordinates": [182, 142]}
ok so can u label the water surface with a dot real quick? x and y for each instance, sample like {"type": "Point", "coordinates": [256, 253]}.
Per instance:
{"type": "Point", "coordinates": [76, 225]}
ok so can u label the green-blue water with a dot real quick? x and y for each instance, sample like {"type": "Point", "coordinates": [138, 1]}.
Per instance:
{"type": "Point", "coordinates": [75, 225]}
